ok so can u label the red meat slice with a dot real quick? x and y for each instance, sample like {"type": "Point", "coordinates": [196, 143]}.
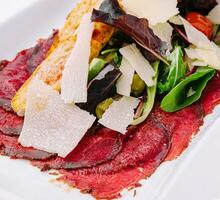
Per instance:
{"type": "Point", "coordinates": [182, 125]}
{"type": "Point", "coordinates": [108, 186]}
{"type": "Point", "coordinates": [13, 74]}
{"type": "Point", "coordinates": [9, 147]}
{"type": "Point", "coordinates": [93, 149]}
{"type": "Point", "coordinates": [10, 123]}
{"type": "Point", "coordinates": [211, 95]}
{"type": "Point", "coordinates": [147, 141]}
{"type": "Point", "coordinates": [139, 158]}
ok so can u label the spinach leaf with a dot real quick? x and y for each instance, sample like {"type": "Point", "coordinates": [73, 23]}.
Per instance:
{"type": "Point", "coordinates": [177, 71]}
{"type": "Point", "coordinates": [188, 90]}
{"type": "Point", "coordinates": [149, 102]}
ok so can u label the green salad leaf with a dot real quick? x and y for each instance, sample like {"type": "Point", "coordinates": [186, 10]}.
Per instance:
{"type": "Point", "coordinates": [95, 67]}
{"type": "Point", "coordinates": [149, 102]}
{"type": "Point", "coordinates": [108, 51]}
{"type": "Point", "coordinates": [188, 90]}
{"type": "Point", "coordinates": [177, 71]}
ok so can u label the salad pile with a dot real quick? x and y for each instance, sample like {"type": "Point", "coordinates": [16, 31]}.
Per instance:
{"type": "Point", "coordinates": [141, 58]}
{"type": "Point", "coordinates": [178, 79]}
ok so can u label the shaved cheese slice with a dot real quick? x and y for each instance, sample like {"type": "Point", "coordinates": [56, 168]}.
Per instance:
{"type": "Point", "coordinates": [199, 63]}
{"type": "Point", "coordinates": [210, 57]}
{"type": "Point", "coordinates": [139, 63]}
{"type": "Point", "coordinates": [75, 75]}
{"type": "Point", "coordinates": [195, 36]}
{"type": "Point", "coordinates": [176, 20]}
{"type": "Point", "coordinates": [120, 114]}
{"type": "Point", "coordinates": [164, 32]}
{"type": "Point", "coordinates": [204, 50]}
{"type": "Point", "coordinates": [214, 14]}
{"type": "Point", "coordinates": [51, 125]}
{"type": "Point", "coordinates": [156, 11]}
{"type": "Point", "coordinates": [194, 63]}
{"type": "Point", "coordinates": [125, 81]}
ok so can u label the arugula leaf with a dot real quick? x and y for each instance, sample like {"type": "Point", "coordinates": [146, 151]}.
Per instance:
{"type": "Point", "coordinates": [177, 71]}
{"type": "Point", "coordinates": [188, 90]}
{"type": "Point", "coordinates": [149, 102]}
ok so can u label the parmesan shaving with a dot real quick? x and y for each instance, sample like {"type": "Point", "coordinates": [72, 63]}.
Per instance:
{"type": "Point", "coordinates": [210, 57]}
{"type": "Point", "coordinates": [196, 37]}
{"type": "Point", "coordinates": [164, 32]}
{"type": "Point", "coordinates": [214, 14]}
{"type": "Point", "coordinates": [120, 114]}
{"type": "Point", "coordinates": [203, 49]}
{"type": "Point", "coordinates": [139, 63]}
{"type": "Point", "coordinates": [75, 75]}
{"type": "Point", "coordinates": [50, 125]}
{"type": "Point", "coordinates": [125, 81]}
{"type": "Point", "coordinates": [156, 11]}
{"type": "Point", "coordinates": [176, 20]}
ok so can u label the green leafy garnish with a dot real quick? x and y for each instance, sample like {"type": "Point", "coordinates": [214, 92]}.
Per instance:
{"type": "Point", "coordinates": [188, 90]}
{"type": "Point", "coordinates": [108, 51]}
{"type": "Point", "coordinates": [177, 71]}
{"type": "Point", "coordinates": [95, 67]}
{"type": "Point", "coordinates": [149, 102]}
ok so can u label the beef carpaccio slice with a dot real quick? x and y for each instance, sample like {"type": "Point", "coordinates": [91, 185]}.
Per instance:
{"type": "Point", "coordinates": [109, 186]}
{"type": "Point", "coordinates": [9, 147]}
{"type": "Point", "coordinates": [148, 140]}
{"type": "Point", "coordinates": [182, 125]}
{"type": "Point", "coordinates": [211, 95]}
{"type": "Point", "coordinates": [13, 74]}
{"type": "Point", "coordinates": [10, 123]}
{"type": "Point", "coordinates": [142, 153]}
{"type": "Point", "coordinates": [94, 148]}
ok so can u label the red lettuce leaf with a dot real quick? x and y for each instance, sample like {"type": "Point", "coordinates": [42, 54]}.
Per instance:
{"type": "Point", "coordinates": [112, 7]}
{"type": "Point", "coordinates": [101, 88]}
{"type": "Point", "coordinates": [137, 28]}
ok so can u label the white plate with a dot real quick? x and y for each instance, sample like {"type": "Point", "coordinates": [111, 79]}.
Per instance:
{"type": "Point", "coordinates": [194, 176]}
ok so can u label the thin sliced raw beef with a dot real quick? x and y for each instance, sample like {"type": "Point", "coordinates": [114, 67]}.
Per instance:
{"type": "Point", "coordinates": [9, 147]}
{"type": "Point", "coordinates": [141, 155]}
{"type": "Point", "coordinates": [10, 123]}
{"type": "Point", "coordinates": [13, 74]}
{"type": "Point", "coordinates": [211, 95]}
{"type": "Point", "coordinates": [183, 125]}
{"type": "Point", "coordinates": [147, 141]}
{"type": "Point", "coordinates": [109, 186]}
{"type": "Point", "coordinates": [93, 149]}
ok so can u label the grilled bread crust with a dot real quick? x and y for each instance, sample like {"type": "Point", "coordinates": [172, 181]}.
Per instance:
{"type": "Point", "coordinates": [50, 70]}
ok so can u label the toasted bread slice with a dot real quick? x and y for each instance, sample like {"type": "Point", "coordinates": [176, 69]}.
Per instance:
{"type": "Point", "coordinates": [50, 70]}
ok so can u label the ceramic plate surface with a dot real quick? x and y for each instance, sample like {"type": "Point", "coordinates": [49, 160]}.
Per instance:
{"type": "Point", "coordinates": [193, 176]}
